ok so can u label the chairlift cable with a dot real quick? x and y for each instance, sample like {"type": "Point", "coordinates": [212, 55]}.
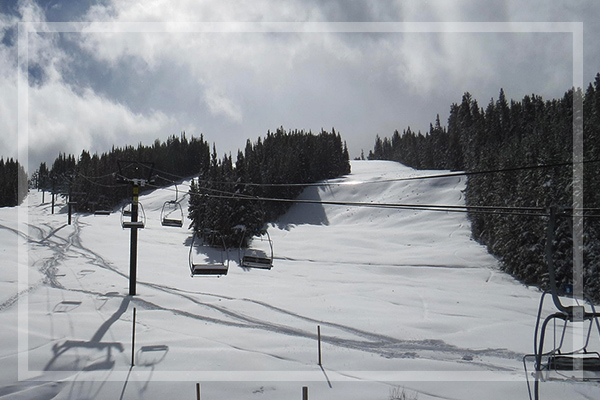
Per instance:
{"type": "Point", "coordinates": [112, 174]}
{"type": "Point", "coordinates": [529, 211]}
{"type": "Point", "coordinates": [89, 179]}
{"type": "Point", "coordinates": [329, 183]}
{"type": "Point", "coordinates": [496, 210]}
{"type": "Point", "coordinates": [435, 176]}
{"type": "Point", "coordinates": [437, 207]}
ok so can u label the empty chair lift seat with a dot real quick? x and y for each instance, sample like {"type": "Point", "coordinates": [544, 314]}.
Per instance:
{"type": "Point", "coordinates": [207, 260]}
{"type": "Point", "coordinates": [172, 214]}
{"type": "Point", "coordinates": [102, 212]}
{"type": "Point", "coordinates": [133, 225]}
{"type": "Point", "coordinates": [581, 362]}
{"type": "Point", "coordinates": [256, 259]}
{"type": "Point", "coordinates": [172, 222]}
{"type": "Point", "coordinates": [203, 269]}
{"type": "Point", "coordinates": [259, 250]}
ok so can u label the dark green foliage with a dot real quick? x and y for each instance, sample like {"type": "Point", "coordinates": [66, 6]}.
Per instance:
{"type": "Point", "coordinates": [91, 182]}
{"type": "Point", "coordinates": [514, 134]}
{"type": "Point", "coordinates": [229, 198]}
{"type": "Point", "coordinates": [13, 183]}
{"type": "Point", "coordinates": [226, 195]}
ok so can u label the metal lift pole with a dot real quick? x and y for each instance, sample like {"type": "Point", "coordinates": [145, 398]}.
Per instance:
{"type": "Point", "coordinates": [129, 168]}
{"type": "Point", "coordinates": [133, 247]}
{"type": "Point", "coordinates": [69, 205]}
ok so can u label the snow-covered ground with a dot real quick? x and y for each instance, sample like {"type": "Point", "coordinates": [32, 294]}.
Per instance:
{"type": "Point", "coordinates": [404, 300]}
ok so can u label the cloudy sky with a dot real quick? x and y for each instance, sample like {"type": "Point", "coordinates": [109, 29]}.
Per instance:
{"type": "Point", "coordinates": [190, 65]}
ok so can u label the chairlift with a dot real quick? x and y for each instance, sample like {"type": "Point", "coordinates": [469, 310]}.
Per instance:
{"type": "Point", "coordinates": [259, 253]}
{"type": "Point", "coordinates": [102, 212]}
{"type": "Point", "coordinates": [172, 213]}
{"type": "Point", "coordinates": [211, 257]}
{"type": "Point", "coordinates": [126, 211]}
{"type": "Point", "coordinates": [560, 362]}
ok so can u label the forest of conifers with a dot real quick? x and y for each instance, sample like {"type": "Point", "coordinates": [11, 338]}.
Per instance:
{"type": "Point", "coordinates": [527, 149]}
{"type": "Point", "coordinates": [518, 155]}
{"type": "Point", "coordinates": [229, 195]}
{"type": "Point", "coordinates": [13, 183]}
{"type": "Point", "coordinates": [225, 194]}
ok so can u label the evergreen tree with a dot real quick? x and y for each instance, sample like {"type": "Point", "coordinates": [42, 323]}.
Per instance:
{"type": "Point", "coordinates": [13, 183]}
{"type": "Point", "coordinates": [505, 135]}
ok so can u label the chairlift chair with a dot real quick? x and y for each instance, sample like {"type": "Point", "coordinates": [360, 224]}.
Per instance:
{"type": "Point", "coordinates": [102, 212]}
{"type": "Point", "coordinates": [215, 253]}
{"type": "Point", "coordinates": [583, 364]}
{"type": "Point", "coordinates": [171, 214]}
{"type": "Point", "coordinates": [126, 211]}
{"type": "Point", "coordinates": [103, 209]}
{"type": "Point", "coordinates": [259, 253]}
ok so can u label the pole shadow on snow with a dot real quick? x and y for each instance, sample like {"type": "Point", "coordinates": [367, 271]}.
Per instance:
{"type": "Point", "coordinates": [326, 377]}
{"type": "Point", "coordinates": [125, 383]}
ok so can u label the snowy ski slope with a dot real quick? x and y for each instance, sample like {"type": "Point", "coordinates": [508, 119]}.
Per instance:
{"type": "Point", "coordinates": [404, 299]}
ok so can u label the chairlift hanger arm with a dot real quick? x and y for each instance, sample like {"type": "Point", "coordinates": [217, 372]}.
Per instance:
{"type": "Point", "coordinates": [576, 312]}
{"type": "Point", "coordinates": [209, 268]}
{"type": "Point", "coordinates": [255, 258]}
{"type": "Point", "coordinates": [168, 208]}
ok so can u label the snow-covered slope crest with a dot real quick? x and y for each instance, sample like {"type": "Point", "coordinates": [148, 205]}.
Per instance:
{"type": "Point", "coordinates": [386, 236]}
{"type": "Point", "coordinates": [403, 298]}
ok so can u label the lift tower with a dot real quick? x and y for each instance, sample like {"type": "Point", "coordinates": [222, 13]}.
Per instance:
{"type": "Point", "coordinates": [137, 174]}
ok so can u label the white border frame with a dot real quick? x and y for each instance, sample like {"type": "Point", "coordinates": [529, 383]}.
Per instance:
{"type": "Point", "coordinates": [25, 28]}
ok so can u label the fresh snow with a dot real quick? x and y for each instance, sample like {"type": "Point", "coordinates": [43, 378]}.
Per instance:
{"type": "Point", "coordinates": [404, 300]}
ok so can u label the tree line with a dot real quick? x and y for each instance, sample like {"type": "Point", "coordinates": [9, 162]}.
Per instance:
{"type": "Point", "coordinates": [91, 179]}
{"type": "Point", "coordinates": [534, 134]}
{"type": "Point", "coordinates": [238, 198]}
{"type": "Point", "coordinates": [13, 183]}
{"type": "Point", "coordinates": [226, 194]}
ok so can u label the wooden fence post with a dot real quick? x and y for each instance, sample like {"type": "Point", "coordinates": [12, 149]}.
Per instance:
{"type": "Point", "coordinates": [133, 340]}
{"type": "Point", "coordinates": [319, 339]}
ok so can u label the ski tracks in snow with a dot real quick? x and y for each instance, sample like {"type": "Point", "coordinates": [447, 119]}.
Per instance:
{"type": "Point", "coordinates": [361, 340]}
{"type": "Point", "coordinates": [63, 248]}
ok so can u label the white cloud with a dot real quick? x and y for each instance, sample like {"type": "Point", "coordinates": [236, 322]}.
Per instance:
{"type": "Point", "coordinates": [231, 70]}
{"type": "Point", "coordinates": [219, 103]}
{"type": "Point", "coordinates": [250, 82]}
{"type": "Point", "coordinates": [8, 115]}
{"type": "Point", "coordinates": [417, 61]}
{"type": "Point", "coordinates": [207, 10]}
{"type": "Point", "coordinates": [61, 117]}
{"type": "Point", "coordinates": [58, 115]}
